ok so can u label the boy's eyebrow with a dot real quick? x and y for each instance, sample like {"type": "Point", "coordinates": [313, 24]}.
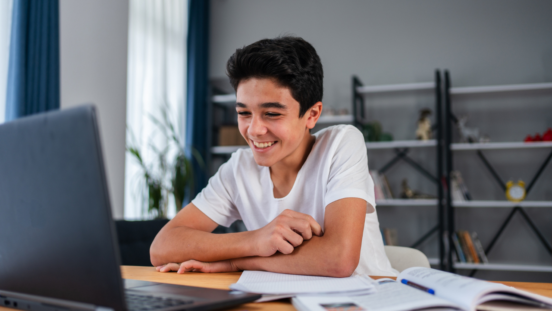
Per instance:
{"type": "Point", "coordinates": [273, 105]}
{"type": "Point", "coordinates": [264, 105]}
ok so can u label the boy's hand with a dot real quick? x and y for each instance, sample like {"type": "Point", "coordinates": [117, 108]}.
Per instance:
{"type": "Point", "coordinates": [284, 233]}
{"type": "Point", "coordinates": [198, 266]}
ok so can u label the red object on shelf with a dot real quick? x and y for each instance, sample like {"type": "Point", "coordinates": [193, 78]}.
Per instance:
{"type": "Point", "coordinates": [528, 139]}
{"type": "Point", "coordinates": [537, 137]}
{"type": "Point", "coordinates": [547, 136]}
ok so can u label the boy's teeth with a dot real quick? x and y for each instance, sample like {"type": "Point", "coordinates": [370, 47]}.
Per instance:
{"type": "Point", "coordinates": [263, 145]}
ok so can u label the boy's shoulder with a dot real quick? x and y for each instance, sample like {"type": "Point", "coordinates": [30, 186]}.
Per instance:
{"type": "Point", "coordinates": [340, 134]}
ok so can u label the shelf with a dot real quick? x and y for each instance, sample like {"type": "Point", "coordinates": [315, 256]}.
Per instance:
{"type": "Point", "coordinates": [502, 267]}
{"type": "Point", "coordinates": [407, 202]}
{"type": "Point", "coordinates": [401, 144]}
{"type": "Point", "coordinates": [501, 204]}
{"type": "Point", "coordinates": [335, 119]}
{"type": "Point", "coordinates": [395, 87]}
{"type": "Point", "coordinates": [226, 149]}
{"type": "Point", "coordinates": [500, 88]}
{"type": "Point", "coordinates": [489, 146]}
{"type": "Point", "coordinates": [224, 99]}
{"type": "Point", "coordinates": [434, 261]}
{"type": "Point", "coordinates": [370, 145]}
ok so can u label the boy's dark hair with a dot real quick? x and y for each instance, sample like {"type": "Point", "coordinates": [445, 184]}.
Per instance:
{"type": "Point", "coordinates": [291, 61]}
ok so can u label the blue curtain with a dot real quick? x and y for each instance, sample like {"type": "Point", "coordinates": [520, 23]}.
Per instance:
{"type": "Point", "coordinates": [197, 88]}
{"type": "Point", "coordinates": [33, 72]}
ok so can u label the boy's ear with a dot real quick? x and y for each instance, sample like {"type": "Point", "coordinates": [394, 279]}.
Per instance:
{"type": "Point", "coordinates": [313, 114]}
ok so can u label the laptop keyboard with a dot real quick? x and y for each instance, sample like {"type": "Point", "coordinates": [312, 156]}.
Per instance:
{"type": "Point", "coordinates": [145, 302]}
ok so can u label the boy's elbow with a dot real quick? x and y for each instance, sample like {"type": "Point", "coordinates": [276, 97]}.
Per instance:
{"type": "Point", "coordinates": [345, 263]}
{"type": "Point", "coordinates": [156, 256]}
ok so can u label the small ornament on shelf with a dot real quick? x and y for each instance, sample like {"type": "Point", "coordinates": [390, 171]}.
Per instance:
{"type": "Point", "coordinates": [469, 135]}
{"type": "Point", "coordinates": [372, 132]}
{"type": "Point", "coordinates": [546, 136]}
{"type": "Point", "coordinates": [328, 112]}
{"type": "Point", "coordinates": [423, 132]}
{"type": "Point", "coordinates": [343, 112]}
{"type": "Point", "coordinates": [408, 193]}
{"type": "Point", "coordinates": [515, 192]}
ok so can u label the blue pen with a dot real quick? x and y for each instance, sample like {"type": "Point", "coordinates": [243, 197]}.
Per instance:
{"type": "Point", "coordinates": [418, 286]}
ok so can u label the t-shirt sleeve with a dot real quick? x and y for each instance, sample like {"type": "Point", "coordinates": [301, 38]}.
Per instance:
{"type": "Point", "coordinates": [349, 176]}
{"type": "Point", "coordinates": [216, 199]}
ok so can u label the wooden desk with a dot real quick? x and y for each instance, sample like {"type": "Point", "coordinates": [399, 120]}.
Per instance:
{"type": "Point", "coordinates": [223, 281]}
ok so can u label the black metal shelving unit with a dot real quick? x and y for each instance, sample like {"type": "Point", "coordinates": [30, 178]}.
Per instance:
{"type": "Point", "coordinates": [402, 148]}
{"type": "Point", "coordinates": [517, 208]}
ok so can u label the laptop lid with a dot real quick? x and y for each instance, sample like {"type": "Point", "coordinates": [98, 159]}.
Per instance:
{"type": "Point", "coordinates": [56, 235]}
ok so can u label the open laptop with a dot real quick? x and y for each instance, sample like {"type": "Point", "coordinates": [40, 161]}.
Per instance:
{"type": "Point", "coordinates": [58, 245]}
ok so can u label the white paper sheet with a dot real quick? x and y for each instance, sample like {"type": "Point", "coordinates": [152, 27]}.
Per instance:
{"type": "Point", "coordinates": [280, 284]}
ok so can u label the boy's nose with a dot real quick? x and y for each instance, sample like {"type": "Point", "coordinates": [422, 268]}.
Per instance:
{"type": "Point", "coordinates": [257, 127]}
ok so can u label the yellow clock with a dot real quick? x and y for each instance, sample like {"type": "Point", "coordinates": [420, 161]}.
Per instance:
{"type": "Point", "coordinates": [515, 192]}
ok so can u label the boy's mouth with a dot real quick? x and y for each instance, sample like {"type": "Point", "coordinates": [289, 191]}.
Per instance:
{"type": "Point", "coordinates": [264, 145]}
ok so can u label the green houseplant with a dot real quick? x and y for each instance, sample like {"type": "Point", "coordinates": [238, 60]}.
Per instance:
{"type": "Point", "coordinates": [171, 173]}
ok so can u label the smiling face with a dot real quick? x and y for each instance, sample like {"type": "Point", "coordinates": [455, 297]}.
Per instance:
{"type": "Point", "coordinates": [268, 119]}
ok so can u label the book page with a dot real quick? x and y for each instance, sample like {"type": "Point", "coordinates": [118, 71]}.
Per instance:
{"type": "Point", "coordinates": [393, 296]}
{"type": "Point", "coordinates": [262, 282]}
{"type": "Point", "coordinates": [389, 296]}
{"type": "Point", "coordinates": [459, 289]}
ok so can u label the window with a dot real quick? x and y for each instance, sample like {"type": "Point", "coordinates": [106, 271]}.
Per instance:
{"type": "Point", "coordinates": [156, 79]}
{"type": "Point", "coordinates": [5, 27]}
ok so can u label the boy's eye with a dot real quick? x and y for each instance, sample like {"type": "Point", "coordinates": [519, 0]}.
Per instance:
{"type": "Point", "coordinates": [272, 114]}
{"type": "Point", "coordinates": [243, 113]}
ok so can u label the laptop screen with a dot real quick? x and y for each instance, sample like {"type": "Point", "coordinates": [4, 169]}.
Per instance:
{"type": "Point", "coordinates": [57, 238]}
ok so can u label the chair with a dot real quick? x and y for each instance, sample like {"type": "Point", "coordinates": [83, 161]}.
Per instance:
{"type": "Point", "coordinates": [135, 238]}
{"type": "Point", "coordinates": [402, 258]}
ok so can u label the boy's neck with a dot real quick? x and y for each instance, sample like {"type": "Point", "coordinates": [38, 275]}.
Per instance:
{"type": "Point", "coordinates": [290, 165]}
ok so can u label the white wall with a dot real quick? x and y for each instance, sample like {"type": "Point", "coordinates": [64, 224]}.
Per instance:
{"type": "Point", "coordinates": [93, 42]}
{"type": "Point", "coordinates": [384, 42]}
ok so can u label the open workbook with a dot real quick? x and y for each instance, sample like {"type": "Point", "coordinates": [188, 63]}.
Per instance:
{"type": "Point", "coordinates": [424, 289]}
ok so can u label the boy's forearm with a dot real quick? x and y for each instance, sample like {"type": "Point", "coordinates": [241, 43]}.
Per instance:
{"type": "Point", "coordinates": [179, 244]}
{"type": "Point", "coordinates": [318, 256]}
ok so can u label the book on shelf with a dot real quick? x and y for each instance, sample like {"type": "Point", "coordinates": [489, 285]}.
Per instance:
{"type": "Point", "coordinates": [386, 188]}
{"type": "Point", "coordinates": [383, 237]}
{"type": "Point", "coordinates": [468, 247]}
{"type": "Point", "coordinates": [458, 248]}
{"type": "Point", "coordinates": [421, 288]}
{"type": "Point", "coordinates": [479, 248]}
{"type": "Point", "coordinates": [382, 190]}
{"type": "Point", "coordinates": [390, 236]}
{"type": "Point", "coordinates": [464, 246]}
{"type": "Point", "coordinates": [471, 248]}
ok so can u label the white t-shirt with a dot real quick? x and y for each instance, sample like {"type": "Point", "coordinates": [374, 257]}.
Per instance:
{"type": "Point", "coordinates": [336, 168]}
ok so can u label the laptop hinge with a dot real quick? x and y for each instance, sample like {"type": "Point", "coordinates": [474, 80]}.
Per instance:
{"type": "Point", "coordinates": [39, 303]}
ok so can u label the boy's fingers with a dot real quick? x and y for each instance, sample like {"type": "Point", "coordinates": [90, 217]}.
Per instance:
{"type": "Point", "coordinates": [315, 227]}
{"type": "Point", "coordinates": [190, 265]}
{"type": "Point", "coordinates": [294, 238]}
{"type": "Point", "coordinates": [169, 267]}
{"type": "Point", "coordinates": [301, 227]}
{"type": "Point", "coordinates": [285, 248]}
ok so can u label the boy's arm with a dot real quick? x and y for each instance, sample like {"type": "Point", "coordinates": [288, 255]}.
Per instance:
{"type": "Point", "coordinates": [188, 236]}
{"type": "Point", "coordinates": [336, 253]}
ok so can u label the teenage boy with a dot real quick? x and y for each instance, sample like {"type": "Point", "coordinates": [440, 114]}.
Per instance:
{"type": "Point", "coordinates": [307, 200]}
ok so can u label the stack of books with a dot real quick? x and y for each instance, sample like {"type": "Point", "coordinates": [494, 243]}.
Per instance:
{"type": "Point", "coordinates": [468, 248]}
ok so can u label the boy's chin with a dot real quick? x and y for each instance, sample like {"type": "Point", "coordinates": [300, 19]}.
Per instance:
{"type": "Point", "coordinates": [264, 161]}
